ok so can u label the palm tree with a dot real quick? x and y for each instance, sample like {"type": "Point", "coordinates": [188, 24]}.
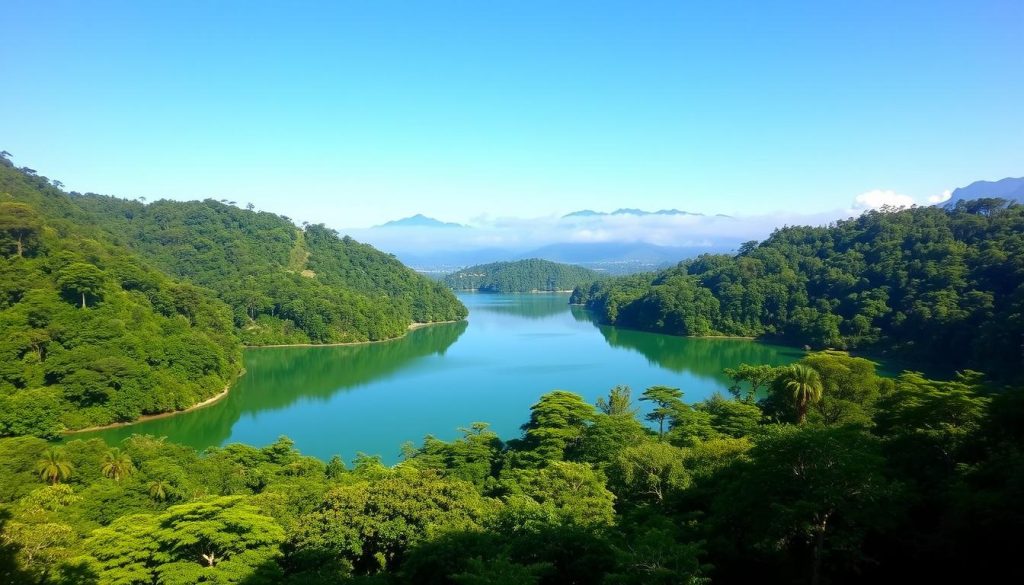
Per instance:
{"type": "Point", "coordinates": [117, 465]}
{"type": "Point", "coordinates": [805, 384]}
{"type": "Point", "coordinates": [158, 490]}
{"type": "Point", "coordinates": [54, 466]}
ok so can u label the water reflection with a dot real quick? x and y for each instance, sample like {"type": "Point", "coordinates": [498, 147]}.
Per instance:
{"type": "Point", "coordinates": [530, 306]}
{"type": "Point", "coordinates": [279, 377]}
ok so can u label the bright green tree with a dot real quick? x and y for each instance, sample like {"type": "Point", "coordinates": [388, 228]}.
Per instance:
{"type": "Point", "coordinates": [20, 224]}
{"type": "Point", "coordinates": [667, 403]}
{"type": "Point", "coordinates": [557, 423]}
{"type": "Point", "coordinates": [54, 466]}
{"type": "Point", "coordinates": [618, 403]}
{"type": "Point", "coordinates": [803, 383]}
{"type": "Point", "coordinates": [116, 465]}
{"type": "Point", "coordinates": [220, 540]}
{"type": "Point", "coordinates": [81, 279]}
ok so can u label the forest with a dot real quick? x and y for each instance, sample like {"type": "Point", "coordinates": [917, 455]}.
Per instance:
{"type": "Point", "coordinates": [925, 283]}
{"type": "Point", "coordinates": [112, 309]}
{"type": "Point", "coordinates": [284, 285]}
{"type": "Point", "coordinates": [818, 472]}
{"type": "Point", "coordinates": [521, 276]}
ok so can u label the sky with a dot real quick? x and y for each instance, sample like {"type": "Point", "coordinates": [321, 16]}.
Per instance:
{"type": "Point", "coordinates": [354, 113]}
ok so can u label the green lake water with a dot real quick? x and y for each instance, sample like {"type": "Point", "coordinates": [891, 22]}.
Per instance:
{"type": "Point", "coordinates": [512, 349]}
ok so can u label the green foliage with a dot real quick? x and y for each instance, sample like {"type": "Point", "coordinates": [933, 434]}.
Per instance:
{"type": "Point", "coordinates": [649, 472]}
{"type": "Point", "coordinates": [668, 402]}
{"type": "Point", "coordinates": [20, 227]}
{"type": "Point", "coordinates": [521, 276]}
{"type": "Point", "coordinates": [145, 341]}
{"type": "Point", "coordinates": [117, 465]}
{"type": "Point", "coordinates": [807, 494]}
{"type": "Point", "coordinates": [54, 466]}
{"type": "Point", "coordinates": [618, 403]}
{"type": "Point", "coordinates": [556, 427]}
{"type": "Point", "coordinates": [911, 471]}
{"type": "Point", "coordinates": [220, 540]}
{"type": "Point", "coordinates": [365, 527]}
{"type": "Point", "coordinates": [283, 284]}
{"type": "Point", "coordinates": [942, 286]}
{"type": "Point", "coordinates": [803, 384]}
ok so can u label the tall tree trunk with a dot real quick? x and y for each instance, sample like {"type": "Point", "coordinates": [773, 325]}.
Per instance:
{"type": "Point", "coordinates": [20, 248]}
{"type": "Point", "coordinates": [83, 300]}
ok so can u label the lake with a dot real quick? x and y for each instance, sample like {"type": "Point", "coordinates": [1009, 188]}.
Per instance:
{"type": "Point", "coordinates": [372, 398]}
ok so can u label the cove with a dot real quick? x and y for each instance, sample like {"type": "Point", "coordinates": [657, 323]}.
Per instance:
{"type": "Point", "coordinates": [491, 368]}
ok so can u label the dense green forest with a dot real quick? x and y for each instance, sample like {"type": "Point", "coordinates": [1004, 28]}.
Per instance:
{"type": "Point", "coordinates": [520, 276]}
{"type": "Point", "coordinates": [89, 333]}
{"type": "Point", "coordinates": [284, 285]}
{"type": "Point", "coordinates": [925, 284]}
{"type": "Point", "coordinates": [821, 472]}
{"type": "Point", "coordinates": [111, 309]}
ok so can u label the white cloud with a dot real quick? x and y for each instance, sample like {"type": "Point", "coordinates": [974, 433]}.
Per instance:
{"type": "Point", "coordinates": [940, 198]}
{"type": "Point", "coordinates": [877, 198]}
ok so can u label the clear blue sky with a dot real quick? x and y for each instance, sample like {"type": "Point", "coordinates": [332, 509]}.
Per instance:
{"type": "Point", "coordinates": [357, 112]}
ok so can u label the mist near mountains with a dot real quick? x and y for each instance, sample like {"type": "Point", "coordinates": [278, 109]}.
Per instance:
{"type": "Point", "coordinates": [632, 239]}
{"type": "Point", "coordinates": [623, 240]}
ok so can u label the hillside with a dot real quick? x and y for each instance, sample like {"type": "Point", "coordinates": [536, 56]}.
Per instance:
{"type": "Point", "coordinates": [284, 284]}
{"type": "Point", "coordinates": [90, 334]}
{"type": "Point", "coordinates": [520, 276]}
{"type": "Point", "coordinates": [924, 283]}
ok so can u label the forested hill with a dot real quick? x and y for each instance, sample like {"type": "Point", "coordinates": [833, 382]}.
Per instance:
{"type": "Point", "coordinates": [284, 284]}
{"type": "Point", "coordinates": [924, 283]}
{"type": "Point", "coordinates": [89, 333]}
{"type": "Point", "coordinates": [520, 276]}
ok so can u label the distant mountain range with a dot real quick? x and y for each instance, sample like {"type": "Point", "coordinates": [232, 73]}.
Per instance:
{"type": "Point", "coordinates": [630, 211]}
{"type": "Point", "coordinates": [420, 220]}
{"type": "Point", "coordinates": [1009, 188]}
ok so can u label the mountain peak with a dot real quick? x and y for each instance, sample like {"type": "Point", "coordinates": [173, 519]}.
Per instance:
{"type": "Point", "coordinates": [627, 211]}
{"type": "Point", "coordinates": [419, 220]}
{"type": "Point", "coordinates": [1009, 188]}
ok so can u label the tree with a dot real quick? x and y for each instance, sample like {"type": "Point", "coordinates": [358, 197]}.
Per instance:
{"type": "Point", "coordinates": [556, 426]}
{"type": "Point", "coordinates": [757, 376]}
{"type": "Point", "coordinates": [54, 466]}
{"type": "Point", "coordinates": [81, 278]}
{"type": "Point", "coordinates": [159, 490]}
{"type": "Point", "coordinates": [619, 402]}
{"type": "Point", "coordinates": [117, 465]}
{"type": "Point", "coordinates": [648, 472]}
{"type": "Point", "coordinates": [667, 401]}
{"type": "Point", "coordinates": [730, 417]}
{"type": "Point", "coordinates": [804, 384]}
{"type": "Point", "coordinates": [820, 492]}
{"type": "Point", "coordinates": [220, 540]}
{"type": "Point", "coordinates": [21, 224]}
{"type": "Point", "coordinates": [366, 527]}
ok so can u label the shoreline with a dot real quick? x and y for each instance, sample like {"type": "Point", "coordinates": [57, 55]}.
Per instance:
{"type": "Point", "coordinates": [227, 389]}
{"type": "Point", "coordinates": [411, 327]}
{"type": "Point", "coordinates": [148, 417]}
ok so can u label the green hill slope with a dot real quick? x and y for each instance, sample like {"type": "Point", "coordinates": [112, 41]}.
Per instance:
{"type": "Point", "coordinates": [89, 334]}
{"type": "Point", "coordinates": [520, 276]}
{"type": "Point", "coordinates": [926, 283]}
{"type": "Point", "coordinates": [284, 284]}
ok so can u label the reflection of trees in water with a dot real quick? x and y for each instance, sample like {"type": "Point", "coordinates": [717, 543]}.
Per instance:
{"type": "Point", "coordinates": [705, 357]}
{"type": "Point", "coordinates": [277, 377]}
{"type": "Point", "coordinates": [530, 306]}
{"type": "Point", "coordinates": [582, 315]}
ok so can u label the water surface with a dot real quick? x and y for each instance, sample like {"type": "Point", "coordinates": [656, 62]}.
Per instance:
{"type": "Point", "coordinates": [372, 398]}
